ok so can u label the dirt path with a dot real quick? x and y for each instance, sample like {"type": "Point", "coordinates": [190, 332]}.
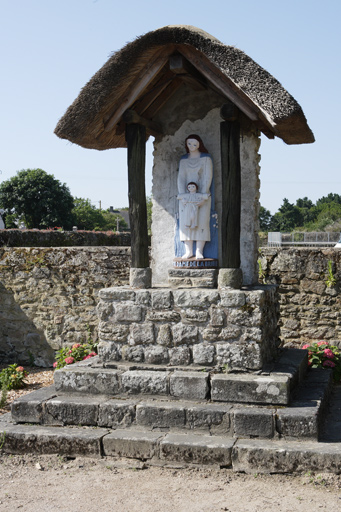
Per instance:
{"type": "Point", "coordinates": [51, 483]}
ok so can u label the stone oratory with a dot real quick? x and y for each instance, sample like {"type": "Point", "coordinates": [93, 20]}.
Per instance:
{"type": "Point", "coordinates": [194, 335]}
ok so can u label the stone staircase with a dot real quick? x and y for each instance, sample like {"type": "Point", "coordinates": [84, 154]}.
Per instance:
{"type": "Point", "coordinates": [169, 415]}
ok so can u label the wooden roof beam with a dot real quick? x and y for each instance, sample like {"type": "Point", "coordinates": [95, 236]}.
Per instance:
{"type": "Point", "coordinates": [138, 87]}
{"type": "Point", "coordinates": [132, 117]}
{"type": "Point", "coordinates": [188, 73]}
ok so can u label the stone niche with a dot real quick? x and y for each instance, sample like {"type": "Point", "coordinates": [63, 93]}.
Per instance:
{"type": "Point", "coordinates": [199, 112]}
{"type": "Point", "coordinates": [234, 329]}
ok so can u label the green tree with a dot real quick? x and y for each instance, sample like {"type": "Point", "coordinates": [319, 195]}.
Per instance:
{"type": "Point", "coordinates": [38, 199]}
{"type": "Point", "coordinates": [111, 221]}
{"type": "Point", "coordinates": [149, 213]}
{"type": "Point", "coordinates": [87, 216]}
{"type": "Point", "coordinates": [265, 218]}
{"type": "Point", "coordinates": [287, 218]}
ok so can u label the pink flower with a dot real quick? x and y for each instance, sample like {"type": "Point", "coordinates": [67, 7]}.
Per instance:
{"type": "Point", "coordinates": [305, 346]}
{"type": "Point", "coordinates": [319, 343]}
{"type": "Point", "coordinates": [76, 345]}
{"type": "Point", "coordinates": [92, 354]}
{"type": "Point", "coordinates": [19, 369]}
{"type": "Point", "coordinates": [70, 352]}
{"type": "Point", "coordinates": [69, 360]}
{"type": "Point", "coordinates": [86, 357]}
{"type": "Point", "coordinates": [329, 363]}
{"type": "Point", "coordinates": [55, 364]}
{"type": "Point", "coordinates": [329, 353]}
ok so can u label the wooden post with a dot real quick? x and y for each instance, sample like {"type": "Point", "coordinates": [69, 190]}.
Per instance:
{"type": "Point", "coordinates": [231, 187]}
{"type": "Point", "coordinates": [136, 140]}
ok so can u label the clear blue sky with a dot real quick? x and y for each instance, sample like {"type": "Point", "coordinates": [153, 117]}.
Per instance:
{"type": "Point", "coordinates": [51, 48]}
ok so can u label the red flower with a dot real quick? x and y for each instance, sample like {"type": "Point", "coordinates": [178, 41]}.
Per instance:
{"type": "Point", "coordinates": [19, 369]}
{"type": "Point", "coordinates": [69, 360]}
{"type": "Point", "coordinates": [329, 353]}
{"type": "Point", "coordinates": [319, 343]}
{"type": "Point", "coordinates": [329, 363]}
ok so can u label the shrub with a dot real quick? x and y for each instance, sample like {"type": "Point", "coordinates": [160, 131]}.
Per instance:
{"type": "Point", "coordinates": [78, 352]}
{"type": "Point", "coordinates": [323, 355]}
{"type": "Point", "coordinates": [12, 377]}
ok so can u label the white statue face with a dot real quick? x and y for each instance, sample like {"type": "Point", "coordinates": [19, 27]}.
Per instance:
{"type": "Point", "coordinates": [191, 188]}
{"type": "Point", "coordinates": [193, 145]}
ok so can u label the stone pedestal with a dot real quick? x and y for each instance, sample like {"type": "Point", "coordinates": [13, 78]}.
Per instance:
{"type": "Point", "coordinates": [236, 329]}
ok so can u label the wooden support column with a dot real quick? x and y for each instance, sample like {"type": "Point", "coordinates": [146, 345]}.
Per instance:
{"type": "Point", "coordinates": [231, 187]}
{"type": "Point", "coordinates": [136, 140]}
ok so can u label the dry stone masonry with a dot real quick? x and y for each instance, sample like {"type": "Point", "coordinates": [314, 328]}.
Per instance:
{"type": "Point", "coordinates": [237, 328]}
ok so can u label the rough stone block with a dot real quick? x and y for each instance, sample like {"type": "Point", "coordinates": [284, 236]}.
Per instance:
{"type": "Point", "coordinates": [298, 422]}
{"type": "Point", "coordinates": [116, 413]}
{"type": "Point", "coordinates": [29, 408]}
{"type": "Point", "coordinates": [217, 316]}
{"type": "Point", "coordinates": [161, 299]}
{"type": "Point", "coordinates": [189, 385]}
{"type": "Point", "coordinates": [87, 380]}
{"type": "Point", "coordinates": [117, 293]}
{"type": "Point", "coordinates": [232, 298]}
{"type": "Point", "coordinates": [128, 312]}
{"type": "Point", "coordinates": [180, 356]}
{"type": "Point", "coordinates": [239, 355]}
{"type": "Point", "coordinates": [47, 440]}
{"type": "Point", "coordinates": [262, 456]}
{"type": "Point", "coordinates": [184, 334]}
{"type": "Point", "coordinates": [142, 334]}
{"type": "Point", "coordinates": [164, 336]}
{"type": "Point", "coordinates": [140, 277]}
{"type": "Point", "coordinates": [160, 414]}
{"type": "Point", "coordinates": [254, 422]}
{"type": "Point", "coordinates": [145, 382]}
{"type": "Point", "coordinates": [211, 333]}
{"type": "Point", "coordinates": [71, 410]}
{"type": "Point", "coordinates": [109, 351]}
{"type": "Point", "coordinates": [203, 354]}
{"type": "Point", "coordinates": [250, 388]}
{"type": "Point", "coordinates": [230, 278]}
{"type": "Point", "coordinates": [163, 316]}
{"type": "Point", "coordinates": [156, 355]}
{"type": "Point", "coordinates": [131, 444]}
{"type": "Point", "coordinates": [196, 449]}
{"type": "Point", "coordinates": [195, 298]}
{"type": "Point", "coordinates": [133, 354]}
{"type": "Point", "coordinates": [230, 332]}
{"type": "Point", "coordinates": [110, 331]}
{"type": "Point", "coordinates": [142, 297]}
{"type": "Point", "coordinates": [212, 417]}
{"type": "Point", "coordinates": [194, 315]}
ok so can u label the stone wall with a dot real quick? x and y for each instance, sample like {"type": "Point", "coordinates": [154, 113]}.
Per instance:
{"type": "Point", "coordinates": [48, 297]}
{"type": "Point", "coordinates": [309, 309]}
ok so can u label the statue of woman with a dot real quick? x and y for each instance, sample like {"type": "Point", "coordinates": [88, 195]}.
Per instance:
{"type": "Point", "coordinates": [195, 167]}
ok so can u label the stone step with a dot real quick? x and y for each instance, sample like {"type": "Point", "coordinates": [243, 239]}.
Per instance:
{"type": "Point", "coordinates": [250, 388]}
{"type": "Point", "coordinates": [300, 420]}
{"type": "Point", "coordinates": [248, 455]}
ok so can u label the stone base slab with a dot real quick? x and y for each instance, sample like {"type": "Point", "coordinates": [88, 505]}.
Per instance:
{"type": "Point", "coordinates": [192, 278]}
{"type": "Point", "coordinates": [241, 455]}
{"type": "Point", "coordinates": [299, 420]}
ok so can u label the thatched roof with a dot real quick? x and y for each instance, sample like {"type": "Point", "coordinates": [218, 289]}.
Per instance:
{"type": "Point", "coordinates": [139, 77]}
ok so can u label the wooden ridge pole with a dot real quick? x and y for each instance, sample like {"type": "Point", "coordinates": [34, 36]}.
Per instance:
{"type": "Point", "coordinates": [231, 187]}
{"type": "Point", "coordinates": [136, 141]}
